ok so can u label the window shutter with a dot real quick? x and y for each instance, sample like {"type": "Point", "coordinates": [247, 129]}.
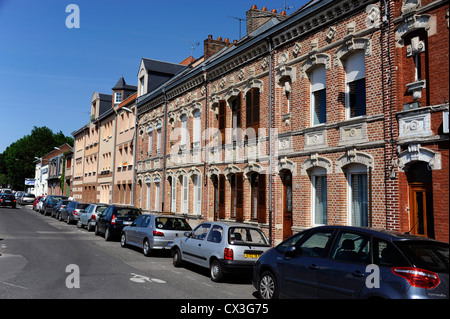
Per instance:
{"type": "Point", "coordinates": [174, 195]}
{"type": "Point", "coordinates": [221, 196]}
{"type": "Point", "coordinates": [222, 120]}
{"type": "Point", "coordinates": [239, 197]}
{"type": "Point", "coordinates": [262, 198]}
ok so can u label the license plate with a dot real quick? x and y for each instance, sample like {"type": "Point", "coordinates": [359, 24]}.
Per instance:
{"type": "Point", "coordinates": [251, 255]}
{"type": "Point", "coordinates": [127, 223]}
{"type": "Point", "coordinates": [7, 201]}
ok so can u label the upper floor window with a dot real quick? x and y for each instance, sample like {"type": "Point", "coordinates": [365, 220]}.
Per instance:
{"type": "Point", "coordinates": [222, 120]}
{"type": "Point", "coordinates": [183, 130]}
{"type": "Point", "coordinates": [197, 130]}
{"type": "Point", "coordinates": [318, 96]}
{"type": "Point", "coordinates": [355, 80]}
{"type": "Point", "coordinates": [252, 110]}
{"type": "Point", "coordinates": [141, 86]}
{"type": "Point", "coordinates": [118, 97]}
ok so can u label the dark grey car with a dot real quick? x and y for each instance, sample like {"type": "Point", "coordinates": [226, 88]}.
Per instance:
{"type": "Point", "coordinates": [337, 262]}
{"type": "Point", "coordinates": [151, 232]}
{"type": "Point", "coordinates": [71, 213]}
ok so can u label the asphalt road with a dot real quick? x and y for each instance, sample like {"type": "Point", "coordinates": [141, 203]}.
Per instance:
{"type": "Point", "coordinates": [48, 259]}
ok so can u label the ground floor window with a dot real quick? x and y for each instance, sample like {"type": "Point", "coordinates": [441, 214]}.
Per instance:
{"type": "Point", "coordinates": [357, 195]}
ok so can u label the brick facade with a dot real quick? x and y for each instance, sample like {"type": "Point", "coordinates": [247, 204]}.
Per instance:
{"type": "Point", "coordinates": [347, 99]}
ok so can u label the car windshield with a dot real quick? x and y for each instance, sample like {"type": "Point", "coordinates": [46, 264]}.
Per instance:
{"type": "Point", "coordinates": [29, 195]}
{"type": "Point", "coordinates": [246, 236]}
{"type": "Point", "coordinates": [172, 223]}
{"type": "Point", "coordinates": [130, 212]}
{"type": "Point", "coordinates": [427, 256]}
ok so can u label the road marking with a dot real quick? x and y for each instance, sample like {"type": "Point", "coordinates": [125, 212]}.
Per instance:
{"type": "Point", "coordinates": [14, 285]}
{"type": "Point", "coordinates": [142, 279]}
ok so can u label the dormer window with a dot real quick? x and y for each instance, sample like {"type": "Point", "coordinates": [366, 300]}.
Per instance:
{"type": "Point", "coordinates": [117, 97]}
{"type": "Point", "coordinates": [141, 85]}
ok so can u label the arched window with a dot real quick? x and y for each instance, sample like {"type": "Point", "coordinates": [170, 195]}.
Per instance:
{"type": "Point", "coordinates": [357, 195]}
{"type": "Point", "coordinates": [318, 96]}
{"type": "Point", "coordinates": [355, 81]}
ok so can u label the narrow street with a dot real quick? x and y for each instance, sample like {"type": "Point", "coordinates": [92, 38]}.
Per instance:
{"type": "Point", "coordinates": [41, 257]}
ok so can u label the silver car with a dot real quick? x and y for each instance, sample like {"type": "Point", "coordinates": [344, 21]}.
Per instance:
{"type": "Point", "coordinates": [151, 232]}
{"type": "Point", "coordinates": [88, 217]}
{"type": "Point", "coordinates": [223, 247]}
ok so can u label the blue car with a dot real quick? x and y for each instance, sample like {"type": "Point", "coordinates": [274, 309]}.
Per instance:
{"type": "Point", "coordinates": [337, 262]}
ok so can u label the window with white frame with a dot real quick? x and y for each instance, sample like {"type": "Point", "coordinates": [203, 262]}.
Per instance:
{"type": "Point", "coordinates": [141, 85]}
{"type": "Point", "coordinates": [118, 97]}
{"type": "Point", "coordinates": [150, 141]}
{"type": "Point", "coordinates": [355, 80]}
{"type": "Point", "coordinates": [173, 195]}
{"type": "Point", "coordinates": [185, 194]}
{"type": "Point", "coordinates": [319, 195]}
{"type": "Point", "coordinates": [158, 139]}
{"type": "Point", "coordinates": [157, 184]}
{"type": "Point", "coordinates": [197, 194]}
{"type": "Point", "coordinates": [357, 195]}
{"type": "Point", "coordinates": [183, 131]}
{"type": "Point", "coordinates": [147, 182]}
{"type": "Point", "coordinates": [197, 129]}
{"type": "Point", "coordinates": [318, 95]}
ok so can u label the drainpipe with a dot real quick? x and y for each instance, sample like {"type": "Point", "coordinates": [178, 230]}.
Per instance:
{"type": "Point", "coordinates": [163, 178]}
{"type": "Point", "coordinates": [269, 42]}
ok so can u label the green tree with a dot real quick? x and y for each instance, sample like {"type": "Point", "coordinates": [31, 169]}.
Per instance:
{"type": "Point", "coordinates": [17, 162]}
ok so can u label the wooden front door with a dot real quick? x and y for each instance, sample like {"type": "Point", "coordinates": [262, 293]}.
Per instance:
{"type": "Point", "coordinates": [287, 205]}
{"type": "Point", "coordinates": [421, 209]}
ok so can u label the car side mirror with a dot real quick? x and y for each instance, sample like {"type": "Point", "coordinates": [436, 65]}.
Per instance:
{"type": "Point", "coordinates": [292, 251]}
{"type": "Point", "coordinates": [188, 234]}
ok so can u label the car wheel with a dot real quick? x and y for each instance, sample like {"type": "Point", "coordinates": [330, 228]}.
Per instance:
{"type": "Point", "coordinates": [68, 220]}
{"type": "Point", "coordinates": [96, 232]}
{"type": "Point", "coordinates": [123, 240]}
{"type": "Point", "coordinates": [267, 286]}
{"type": "Point", "coordinates": [107, 234]}
{"type": "Point", "coordinates": [146, 248]}
{"type": "Point", "coordinates": [88, 226]}
{"type": "Point", "coordinates": [177, 261]}
{"type": "Point", "coordinates": [216, 271]}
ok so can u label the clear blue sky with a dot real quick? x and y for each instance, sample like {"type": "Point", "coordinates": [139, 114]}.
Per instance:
{"type": "Point", "coordinates": [49, 72]}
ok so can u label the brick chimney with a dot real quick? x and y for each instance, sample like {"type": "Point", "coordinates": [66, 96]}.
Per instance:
{"type": "Point", "coordinates": [212, 46]}
{"type": "Point", "coordinates": [256, 18]}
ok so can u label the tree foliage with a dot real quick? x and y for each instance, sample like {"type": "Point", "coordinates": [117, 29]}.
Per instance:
{"type": "Point", "coordinates": [18, 161]}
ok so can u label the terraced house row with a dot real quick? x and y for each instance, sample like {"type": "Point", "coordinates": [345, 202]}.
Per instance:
{"type": "Point", "coordinates": [335, 114]}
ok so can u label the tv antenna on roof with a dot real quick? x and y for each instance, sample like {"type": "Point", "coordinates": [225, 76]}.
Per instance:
{"type": "Point", "coordinates": [240, 20]}
{"type": "Point", "coordinates": [193, 45]}
{"type": "Point", "coordinates": [285, 8]}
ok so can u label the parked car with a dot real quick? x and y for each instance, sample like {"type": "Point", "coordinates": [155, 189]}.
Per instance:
{"type": "Point", "coordinates": [222, 247]}
{"type": "Point", "coordinates": [50, 203]}
{"type": "Point", "coordinates": [56, 211]}
{"type": "Point", "coordinates": [89, 217]}
{"type": "Point", "coordinates": [350, 262]}
{"type": "Point", "coordinates": [40, 204]}
{"type": "Point", "coordinates": [114, 219]}
{"type": "Point", "coordinates": [36, 201]}
{"type": "Point", "coordinates": [18, 194]}
{"type": "Point", "coordinates": [26, 199]}
{"type": "Point", "coordinates": [71, 213]}
{"type": "Point", "coordinates": [7, 200]}
{"type": "Point", "coordinates": [151, 232]}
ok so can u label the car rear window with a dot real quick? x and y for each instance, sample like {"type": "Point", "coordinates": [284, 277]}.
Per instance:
{"type": "Point", "coordinates": [82, 206]}
{"type": "Point", "coordinates": [170, 223]}
{"type": "Point", "coordinates": [129, 212]}
{"type": "Point", "coordinates": [433, 257]}
{"type": "Point", "coordinates": [246, 236]}
{"type": "Point", "coordinates": [101, 209]}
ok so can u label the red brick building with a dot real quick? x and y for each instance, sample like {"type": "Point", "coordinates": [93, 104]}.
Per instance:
{"type": "Point", "coordinates": [422, 95]}
{"type": "Point", "coordinates": [333, 115]}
